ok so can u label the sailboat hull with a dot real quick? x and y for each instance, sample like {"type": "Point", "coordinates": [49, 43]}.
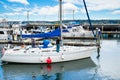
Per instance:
{"type": "Point", "coordinates": [41, 56]}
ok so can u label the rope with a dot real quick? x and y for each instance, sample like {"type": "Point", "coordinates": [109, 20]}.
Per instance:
{"type": "Point", "coordinates": [88, 17]}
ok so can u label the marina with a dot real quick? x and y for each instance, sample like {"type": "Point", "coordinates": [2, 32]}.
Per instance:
{"type": "Point", "coordinates": [49, 45]}
{"type": "Point", "coordinates": [48, 53]}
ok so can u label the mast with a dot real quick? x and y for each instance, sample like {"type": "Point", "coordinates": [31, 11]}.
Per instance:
{"type": "Point", "coordinates": [73, 14]}
{"type": "Point", "coordinates": [60, 1]}
{"type": "Point", "coordinates": [20, 29]}
{"type": "Point", "coordinates": [28, 17]}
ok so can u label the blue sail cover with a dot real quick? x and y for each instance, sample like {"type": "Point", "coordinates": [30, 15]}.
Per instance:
{"type": "Point", "coordinates": [54, 33]}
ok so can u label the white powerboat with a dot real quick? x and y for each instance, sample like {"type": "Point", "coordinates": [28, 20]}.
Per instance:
{"type": "Point", "coordinates": [5, 34]}
{"type": "Point", "coordinates": [76, 31]}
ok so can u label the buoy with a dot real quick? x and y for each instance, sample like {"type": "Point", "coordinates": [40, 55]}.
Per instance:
{"type": "Point", "coordinates": [49, 61]}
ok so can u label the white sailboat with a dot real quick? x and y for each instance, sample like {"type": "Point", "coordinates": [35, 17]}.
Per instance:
{"type": "Point", "coordinates": [47, 54]}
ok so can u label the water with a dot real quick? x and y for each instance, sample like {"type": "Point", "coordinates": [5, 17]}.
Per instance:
{"type": "Point", "coordinates": [103, 67]}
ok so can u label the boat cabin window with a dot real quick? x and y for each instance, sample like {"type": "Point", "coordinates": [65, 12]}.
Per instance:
{"type": "Point", "coordinates": [1, 32]}
{"type": "Point", "coordinates": [75, 30]}
{"type": "Point", "coordinates": [9, 32]}
{"type": "Point", "coordinates": [35, 32]}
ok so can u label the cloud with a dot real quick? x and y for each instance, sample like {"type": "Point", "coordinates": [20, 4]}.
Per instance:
{"type": "Point", "coordinates": [47, 11]}
{"type": "Point", "coordinates": [69, 7]}
{"type": "Point", "coordinates": [97, 5]}
{"type": "Point", "coordinates": [15, 9]}
{"type": "Point", "coordinates": [18, 9]}
{"type": "Point", "coordinates": [53, 10]}
{"type": "Point", "coordinates": [73, 1]}
{"type": "Point", "coordinates": [20, 1]}
{"type": "Point", "coordinates": [116, 12]}
{"type": "Point", "coordinates": [12, 8]}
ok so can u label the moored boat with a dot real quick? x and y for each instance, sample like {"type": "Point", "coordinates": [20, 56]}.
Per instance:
{"type": "Point", "coordinates": [44, 55]}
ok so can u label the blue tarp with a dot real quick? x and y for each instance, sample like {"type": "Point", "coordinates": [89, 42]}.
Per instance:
{"type": "Point", "coordinates": [65, 30]}
{"type": "Point", "coordinates": [54, 33]}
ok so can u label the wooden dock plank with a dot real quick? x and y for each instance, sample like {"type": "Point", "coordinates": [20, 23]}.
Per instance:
{"type": "Point", "coordinates": [40, 42]}
{"type": "Point", "coordinates": [110, 32]}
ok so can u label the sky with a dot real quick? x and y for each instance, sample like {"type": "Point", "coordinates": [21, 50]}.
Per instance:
{"type": "Point", "coordinates": [48, 10]}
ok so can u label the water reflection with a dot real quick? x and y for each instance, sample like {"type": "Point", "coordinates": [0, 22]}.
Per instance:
{"type": "Point", "coordinates": [1, 73]}
{"type": "Point", "coordinates": [54, 71]}
{"type": "Point", "coordinates": [98, 52]}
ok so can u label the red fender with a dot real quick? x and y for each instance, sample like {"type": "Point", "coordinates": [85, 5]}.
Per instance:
{"type": "Point", "coordinates": [49, 61]}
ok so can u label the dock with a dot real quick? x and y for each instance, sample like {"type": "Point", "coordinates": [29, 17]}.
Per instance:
{"type": "Point", "coordinates": [53, 42]}
{"type": "Point", "coordinates": [81, 38]}
{"type": "Point", "coordinates": [110, 32]}
{"type": "Point", "coordinates": [70, 43]}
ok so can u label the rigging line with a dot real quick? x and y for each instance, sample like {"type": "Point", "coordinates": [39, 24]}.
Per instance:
{"type": "Point", "coordinates": [63, 11]}
{"type": "Point", "coordinates": [88, 17]}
